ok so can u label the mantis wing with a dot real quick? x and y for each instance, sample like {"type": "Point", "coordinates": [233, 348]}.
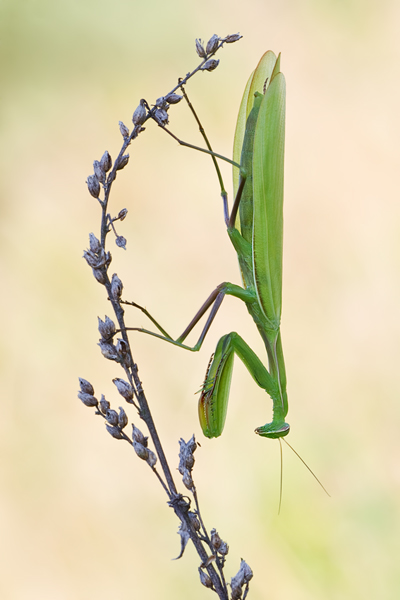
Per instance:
{"type": "Point", "coordinates": [266, 68]}
{"type": "Point", "coordinates": [268, 158]}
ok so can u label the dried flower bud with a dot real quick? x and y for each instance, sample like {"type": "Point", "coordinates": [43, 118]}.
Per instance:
{"type": "Point", "coordinates": [109, 351]}
{"type": "Point", "coordinates": [223, 549]}
{"type": "Point", "coordinates": [241, 578]}
{"type": "Point", "coordinates": [161, 116]}
{"type": "Point", "coordinates": [210, 65]}
{"type": "Point", "coordinates": [93, 185]}
{"type": "Point", "coordinates": [99, 171]}
{"type": "Point", "coordinates": [94, 244]}
{"type": "Point", "coordinates": [186, 458]}
{"type": "Point", "coordinates": [187, 480]}
{"type": "Point", "coordinates": [173, 98]}
{"type": "Point", "coordinates": [139, 116]}
{"type": "Point", "coordinates": [106, 328]}
{"type": "Point", "coordinates": [125, 389]}
{"type": "Point", "coordinates": [123, 129]}
{"type": "Point", "coordinates": [205, 579]}
{"type": "Point", "coordinates": [122, 418]}
{"type": "Point", "coordinates": [104, 404]}
{"type": "Point", "coordinates": [192, 444]}
{"type": "Point", "coordinates": [232, 38]}
{"type": "Point", "coordinates": [88, 399]}
{"type": "Point", "coordinates": [194, 521]}
{"type": "Point", "coordinates": [95, 261]}
{"type": "Point", "coordinates": [120, 241]}
{"type": "Point", "coordinates": [112, 417]}
{"type": "Point", "coordinates": [114, 431]}
{"type": "Point", "coordinates": [122, 351]}
{"type": "Point", "coordinates": [99, 275]}
{"type": "Point", "coordinates": [212, 44]}
{"type": "Point", "coordinates": [86, 387]}
{"type": "Point", "coordinates": [215, 539]}
{"type": "Point", "coordinates": [151, 459]}
{"type": "Point", "coordinates": [122, 214]}
{"type": "Point", "coordinates": [106, 162]}
{"type": "Point", "coordinates": [160, 102]}
{"type": "Point", "coordinates": [140, 450]}
{"type": "Point", "coordinates": [236, 590]}
{"type": "Point", "coordinates": [247, 572]}
{"type": "Point", "coordinates": [116, 287]}
{"type": "Point", "coordinates": [138, 436]}
{"type": "Point", "coordinates": [200, 49]}
{"type": "Point", "coordinates": [123, 161]}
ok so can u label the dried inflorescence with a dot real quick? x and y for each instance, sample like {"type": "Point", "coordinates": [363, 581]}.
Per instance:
{"type": "Point", "coordinates": [241, 580]}
{"type": "Point", "coordinates": [211, 548]}
{"type": "Point", "coordinates": [186, 461]}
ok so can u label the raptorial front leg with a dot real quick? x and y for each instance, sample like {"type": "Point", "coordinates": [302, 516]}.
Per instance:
{"type": "Point", "coordinates": [214, 397]}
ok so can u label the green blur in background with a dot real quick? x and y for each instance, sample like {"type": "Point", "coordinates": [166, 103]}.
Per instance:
{"type": "Point", "coordinates": [80, 516]}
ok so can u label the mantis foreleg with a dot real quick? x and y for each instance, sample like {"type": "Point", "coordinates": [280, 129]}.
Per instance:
{"type": "Point", "coordinates": [215, 391]}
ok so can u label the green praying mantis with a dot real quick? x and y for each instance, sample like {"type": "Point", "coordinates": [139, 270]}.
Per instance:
{"type": "Point", "coordinates": [255, 228]}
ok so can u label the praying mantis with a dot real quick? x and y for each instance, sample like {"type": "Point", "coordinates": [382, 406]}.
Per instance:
{"type": "Point", "coordinates": [255, 228]}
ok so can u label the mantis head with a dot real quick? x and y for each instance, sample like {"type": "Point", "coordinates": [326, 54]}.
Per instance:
{"type": "Point", "coordinates": [273, 430]}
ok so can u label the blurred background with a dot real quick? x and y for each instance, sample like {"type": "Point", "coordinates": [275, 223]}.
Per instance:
{"type": "Point", "coordinates": [80, 516]}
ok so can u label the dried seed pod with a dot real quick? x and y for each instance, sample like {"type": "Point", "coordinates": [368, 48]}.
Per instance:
{"type": "Point", "coordinates": [86, 386]}
{"type": "Point", "coordinates": [94, 244]}
{"type": "Point", "coordinates": [106, 162]}
{"type": "Point", "coordinates": [138, 436]}
{"type": "Point", "coordinates": [194, 521]}
{"type": "Point", "coordinates": [215, 539]}
{"type": "Point", "coordinates": [104, 404]}
{"type": "Point", "coordinates": [109, 351]}
{"type": "Point", "coordinates": [124, 388]}
{"type": "Point", "coordinates": [187, 481]}
{"type": "Point", "coordinates": [114, 431]}
{"type": "Point", "coordinates": [210, 65]}
{"type": "Point", "coordinates": [161, 116]}
{"type": "Point", "coordinates": [223, 549]}
{"type": "Point", "coordinates": [173, 98]}
{"type": "Point", "coordinates": [112, 416]}
{"type": "Point", "coordinates": [100, 276]}
{"type": "Point", "coordinates": [87, 399]}
{"type": "Point", "coordinates": [106, 328]}
{"type": "Point", "coordinates": [99, 171]}
{"type": "Point", "coordinates": [200, 49]}
{"type": "Point", "coordinates": [93, 185]}
{"type": "Point", "coordinates": [120, 241]}
{"type": "Point", "coordinates": [139, 116]}
{"type": "Point", "coordinates": [212, 44]}
{"type": "Point", "coordinates": [151, 459]}
{"type": "Point", "coordinates": [123, 129]}
{"type": "Point", "coordinates": [160, 102]}
{"type": "Point", "coordinates": [116, 287]}
{"type": "Point", "coordinates": [232, 38]}
{"type": "Point", "coordinates": [205, 579]}
{"type": "Point", "coordinates": [246, 570]}
{"type": "Point", "coordinates": [93, 260]}
{"type": "Point", "coordinates": [123, 351]}
{"type": "Point", "coordinates": [122, 418]}
{"type": "Point", "coordinates": [186, 458]}
{"type": "Point", "coordinates": [122, 214]}
{"type": "Point", "coordinates": [123, 161]}
{"type": "Point", "coordinates": [140, 450]}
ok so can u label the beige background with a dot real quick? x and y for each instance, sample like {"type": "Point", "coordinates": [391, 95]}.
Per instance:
{"type": "Point", "coordinates": [80, 516]}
